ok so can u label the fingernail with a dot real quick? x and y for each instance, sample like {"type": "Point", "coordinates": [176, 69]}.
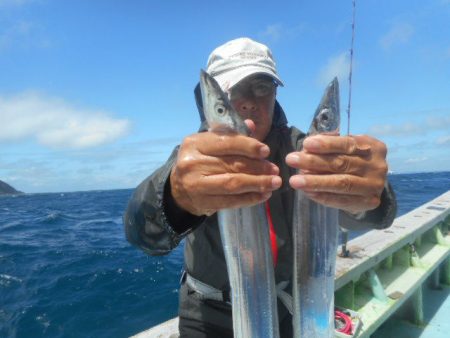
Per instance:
{"type": "Point", "coordinates": [275, 169]}
{"type": "Point", "coordinates": [276, 182]}
{"type": "Point", "coordinates": [293, 158]}
{"type": "Point", "coordinates": [298, 181]}
{"type": "Point", "coordinates": [311, 143]}
{"type": "Point", "coordinates": [264, 151]}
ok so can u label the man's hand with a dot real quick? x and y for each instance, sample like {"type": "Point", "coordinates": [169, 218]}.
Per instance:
{"type": "Point", "coordinates": [221, 170]}
{"type": "Point", "coordinates": [345, 172]}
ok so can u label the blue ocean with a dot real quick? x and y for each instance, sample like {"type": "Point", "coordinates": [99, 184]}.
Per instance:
{"type": "Point", "coordinates": [66, 269]}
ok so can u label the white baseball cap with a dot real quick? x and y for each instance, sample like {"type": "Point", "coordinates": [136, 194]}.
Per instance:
{"type": "Point", "coordinates": [235, 60]}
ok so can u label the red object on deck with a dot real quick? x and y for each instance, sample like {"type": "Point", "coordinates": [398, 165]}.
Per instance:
{"type": "Point", "coordinates": [343, 322]}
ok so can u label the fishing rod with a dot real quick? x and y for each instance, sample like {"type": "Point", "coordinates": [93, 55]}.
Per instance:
{"type": "Point", "coordinates": [351, 69]}
{"type": "Point", "coordinates": [344, 250]}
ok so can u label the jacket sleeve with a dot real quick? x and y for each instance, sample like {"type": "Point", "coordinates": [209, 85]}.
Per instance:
{"type": "Point", "coordinates": [153, 222]}
{"type": "Point", "coordinates": [380, 218]}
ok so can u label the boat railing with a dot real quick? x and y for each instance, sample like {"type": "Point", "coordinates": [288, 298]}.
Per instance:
{"type": "Point", "coordinates": [386, 269]}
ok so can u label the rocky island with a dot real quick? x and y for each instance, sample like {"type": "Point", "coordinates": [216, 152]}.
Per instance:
{"type": "Point", "coordinates": [6, 189]}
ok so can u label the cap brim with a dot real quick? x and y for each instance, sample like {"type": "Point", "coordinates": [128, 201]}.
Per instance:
{"type": "Point", "coordinates": [232, 77]}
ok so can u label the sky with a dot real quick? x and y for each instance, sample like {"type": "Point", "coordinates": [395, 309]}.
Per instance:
{"type": "Point", "coordinates": [95, 94]}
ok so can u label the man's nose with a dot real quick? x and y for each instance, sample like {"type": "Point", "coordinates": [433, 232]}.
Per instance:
{"type": "Point", "coordinates": [248, 106]}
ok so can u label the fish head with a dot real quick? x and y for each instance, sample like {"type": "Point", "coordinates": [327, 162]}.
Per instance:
{"type": "Point", "coordinates": [219, 113]}
{"type": "Point", "coordinates": [327, 116]}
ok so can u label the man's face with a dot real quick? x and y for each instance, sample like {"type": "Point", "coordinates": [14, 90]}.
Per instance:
{"type": "Point", "coordinates": [254, 99]}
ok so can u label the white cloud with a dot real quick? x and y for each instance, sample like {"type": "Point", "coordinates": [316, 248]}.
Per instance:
{"type": "Point", "coordinates": [19, 31]}
{"type": "Point", "coordinates": [31, 175]}
{"type": "Point", "coordinates": [438, 122]}
{"type": "Point", "coordinates": [443, 140]}
{"type": "Point", "coordinates": [416, 159]}
{"type": "Point", "coordinates": [118, 165]}
{"type": "Point", "coordinates": [394, 130]}
{"type": "Point", "coordinates": [338, 65]}
{"type": "Point", "coordinates": [276, 32]}
{"type": "Point", "coordinates": [14, 3]}
{"type": "Point", "coordinates": [23, 34]}
{"type": "Point", "coordinates": [399, 33]}
{"type": "Point", "coordinates": [55, 123]}
{"type": "Point", "coordinates": [432, 123]}
{"type": "Point", "coordinates": [273, 32]}
{"type": "Point", "coordinates": [40, 174]}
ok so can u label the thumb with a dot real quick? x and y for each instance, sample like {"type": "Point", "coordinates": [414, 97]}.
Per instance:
{"type": "Point", "coordinates": [250, 125]}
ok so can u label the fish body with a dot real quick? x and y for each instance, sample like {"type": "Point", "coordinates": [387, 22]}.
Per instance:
{"type": "Point", "coordinates": [245, 237]}
{"type": "Point", "coordinates": [315, 236]}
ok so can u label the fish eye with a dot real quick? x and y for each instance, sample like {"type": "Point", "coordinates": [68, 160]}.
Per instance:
{"type": "Point", "coordinates": [220, 109]}
{"type": "Point", "coordinates": [324, 114]}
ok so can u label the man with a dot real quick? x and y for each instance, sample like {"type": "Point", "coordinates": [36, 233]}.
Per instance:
{"type": "Point", "coordinates": [211, 171]}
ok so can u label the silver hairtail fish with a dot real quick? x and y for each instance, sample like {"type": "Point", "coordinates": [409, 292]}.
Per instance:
{"type": "Point", "coordinates": [315, 236]}
{"type": "Point", "coordinates": [245, 237]}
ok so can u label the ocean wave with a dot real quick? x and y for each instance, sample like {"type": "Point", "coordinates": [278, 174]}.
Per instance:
{"type": "Point", "coordinates": [11, 224]}
{"type": "Point", "coordinates": [7, 280]}
{"type": "Point", "coordinates": [55, 216]}
{"type": "Point", "coordinates": [50, 218]}
{"type": "Point", "coordinates": [43, 320]}
{"type": "Point", "coordinates": [95, 221]}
